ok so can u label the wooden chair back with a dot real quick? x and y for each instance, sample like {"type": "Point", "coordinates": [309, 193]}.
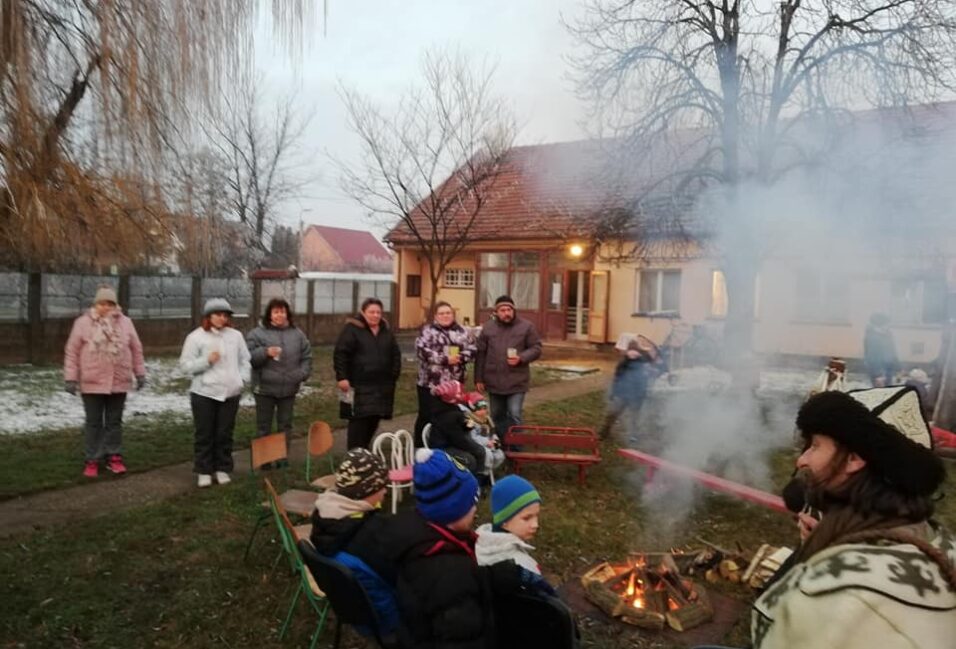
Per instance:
{"type": "Point", "coordinates": [268, 448]}
{"type": "Point", "coordinates": [320, 438]}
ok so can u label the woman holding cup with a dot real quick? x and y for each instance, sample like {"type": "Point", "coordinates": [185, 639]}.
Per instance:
{"type": "Point", "coordinates": [216, 357]}
{"type": "Point", "coordinates": [444, 350]}
{"type": "Point", "coordinates": [281, 358]}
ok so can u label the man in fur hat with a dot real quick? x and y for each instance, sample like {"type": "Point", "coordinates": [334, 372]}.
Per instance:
{"type": "Point", "coordinates": [875, 571]}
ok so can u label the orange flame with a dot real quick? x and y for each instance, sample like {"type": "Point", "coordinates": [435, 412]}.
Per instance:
{"type": "Point", "coordinates": [638, 602]}
{"type": "Point", "coordinates": [630, 585]}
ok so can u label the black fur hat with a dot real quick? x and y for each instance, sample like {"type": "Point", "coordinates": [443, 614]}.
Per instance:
{"type": "Point", "coordinates": [885, 427]}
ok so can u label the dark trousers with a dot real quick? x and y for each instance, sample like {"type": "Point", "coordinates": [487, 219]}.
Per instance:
{"type": "Point", "coordinates": [426, 408]}
{"type": "Point", "coordinates": [103, 432]}
{"type": "Point", "coordinates": [505, 411]}
{"type": "Point", "coordinates": [278, 407]}
{"type": "Point", "coordinates": [361, 430]}
{"type": "Point", "coordinates": [215, 421]}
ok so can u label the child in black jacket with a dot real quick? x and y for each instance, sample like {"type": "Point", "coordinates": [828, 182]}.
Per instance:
{"type": "Point", "coordinates": [442, 595]}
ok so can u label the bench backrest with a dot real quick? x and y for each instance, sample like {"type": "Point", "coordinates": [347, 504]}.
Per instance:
{"type": "Point", "coordinates": [539, 437]}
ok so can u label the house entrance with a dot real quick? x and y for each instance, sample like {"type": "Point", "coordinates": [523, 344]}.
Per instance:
{"type": "Point", "coordinates": [579, 304]}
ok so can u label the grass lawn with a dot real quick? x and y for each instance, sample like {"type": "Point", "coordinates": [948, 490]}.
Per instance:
{"type": "Point", "coordinates": [54, 459]}
{"type": "Point", "coordinates": [171, 574]}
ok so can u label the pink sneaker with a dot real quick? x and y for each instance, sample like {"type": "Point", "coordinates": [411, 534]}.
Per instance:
{"type": "Point", "coordinates": [115, 465]}
{"type": "Point", "coordinates": [92, 469]}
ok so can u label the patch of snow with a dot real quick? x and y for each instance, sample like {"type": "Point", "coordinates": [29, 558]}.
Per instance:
{"type": "Point", "coordinates": [32, 399]}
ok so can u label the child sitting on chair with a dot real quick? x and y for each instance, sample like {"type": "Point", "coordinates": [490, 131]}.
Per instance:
{"type": "Point", "coordinates": [346, 527]}
{"type": "Point", "coordinates": [481, 428]}
{"type": "Point", "coordinates": [440, 591]}
{"type": "Point", "coordinates": [515, 510]}
{"type": "Point", "coordinates": [449, 430]}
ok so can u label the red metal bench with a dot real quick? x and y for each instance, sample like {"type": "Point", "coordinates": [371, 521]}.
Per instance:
{"type": "Point", "coordinates": [525, 444]}
{"type": "Point", "coordinates": [654, 463]}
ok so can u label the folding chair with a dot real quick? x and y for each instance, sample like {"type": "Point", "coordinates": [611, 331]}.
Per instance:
{"type": "Point", "coordinates": [399, 460]}
{"type": "Point", "coordinates": [320, 442]}
{"type": "Point", "coordinates": [525, 621]}
{"type": "Point", "coordinates": [300, 502]}
{"type": "Point", "coordinates": [347, 596]}
{"type": "Point", "coordinates": [291, 536]}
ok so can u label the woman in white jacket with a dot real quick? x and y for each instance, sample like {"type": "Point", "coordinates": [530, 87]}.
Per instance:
{"type": "Point", "coordinates": [216, 357]}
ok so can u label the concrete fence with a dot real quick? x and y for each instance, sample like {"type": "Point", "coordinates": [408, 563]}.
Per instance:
{"type": "Point", "coordinates": [37, 310]}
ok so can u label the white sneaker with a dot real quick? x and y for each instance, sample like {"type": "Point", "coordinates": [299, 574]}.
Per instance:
{"type": "Point", "coordinates": [222, 477]}
{"type": "Point", "coordinates": [204, 480]}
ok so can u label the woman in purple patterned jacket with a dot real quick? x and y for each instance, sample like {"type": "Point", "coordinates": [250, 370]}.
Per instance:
{"type": "Point", "coordinates": [444, 350]}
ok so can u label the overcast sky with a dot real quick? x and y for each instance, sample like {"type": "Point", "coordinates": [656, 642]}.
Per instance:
{"type": "Point", "coordinates": [376, 46]}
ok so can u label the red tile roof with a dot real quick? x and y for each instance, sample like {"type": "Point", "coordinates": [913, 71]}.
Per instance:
{"type": "Point", "coordinates": [355, 247]}
{"type": "Point", "coordinates": [558, 191]}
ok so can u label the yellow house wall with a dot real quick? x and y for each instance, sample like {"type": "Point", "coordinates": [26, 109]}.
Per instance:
{"type": "Point", "coordinates": [622, 303]}
{"type": "Point", "coordinates": [777, 328]}
{"type": "Point", "coordinates": [414, 310]}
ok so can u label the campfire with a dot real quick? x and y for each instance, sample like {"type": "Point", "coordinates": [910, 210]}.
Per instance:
{"type": "Point", "coordinates": [648, 591]}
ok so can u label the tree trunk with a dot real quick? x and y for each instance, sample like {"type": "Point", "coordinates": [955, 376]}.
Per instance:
{"type": "Point", "coordinates": [740, 275]}
{"type": "Point", "coordinates": [944, 413]}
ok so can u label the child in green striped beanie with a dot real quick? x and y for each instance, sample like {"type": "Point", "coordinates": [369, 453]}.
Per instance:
{"type": "Point", "coordinates": [515, 510]}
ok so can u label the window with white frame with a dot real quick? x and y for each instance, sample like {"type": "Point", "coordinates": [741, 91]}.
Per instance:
{"type": "Point", "coordinates": [459, 278]}
{"type": "Point", "coordinates": [658, 292]}
{"type": "Point", "coordinates": [720, 302]}
{"type": "Point", "coordinates": [821, 296]}
{"type": "Point", "coordinates": [917, 301]}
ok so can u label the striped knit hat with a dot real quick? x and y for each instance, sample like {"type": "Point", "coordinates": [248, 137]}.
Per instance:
{"type": "Point", "coordinates": [509, 496]}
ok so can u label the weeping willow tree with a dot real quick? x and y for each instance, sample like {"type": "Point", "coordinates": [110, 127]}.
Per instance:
{"type": "Point", "coordinates": [96, 98]}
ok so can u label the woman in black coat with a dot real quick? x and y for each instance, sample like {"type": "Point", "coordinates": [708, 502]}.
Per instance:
{"type": "Point", "coordinates": [367, 364]}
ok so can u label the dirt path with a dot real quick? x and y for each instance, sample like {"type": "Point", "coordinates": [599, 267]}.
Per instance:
{"type": "Point", "coordinates": [48, 508]}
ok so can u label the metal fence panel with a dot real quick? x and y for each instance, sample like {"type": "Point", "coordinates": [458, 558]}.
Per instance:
{"type": "Point", "coordinates": [237, 290]}
{"type": "Point", "coordinates": [64, 296]}
{"type": "Point", "coordinates": [13, 297]}
{"type": "Point", "coordinates": [160, 297]}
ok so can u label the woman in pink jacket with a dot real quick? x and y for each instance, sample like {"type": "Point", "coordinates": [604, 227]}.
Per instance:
{"type": "Point", "coordinates": [103, 354]}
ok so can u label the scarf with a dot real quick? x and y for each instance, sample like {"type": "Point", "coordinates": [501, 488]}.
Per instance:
{"type": "Point", "coordinates": [105, 336]}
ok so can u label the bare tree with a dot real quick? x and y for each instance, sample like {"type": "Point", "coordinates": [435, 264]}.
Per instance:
{"type": "Point", "coordinates": [265, 164]}
{"type": "Point", "coordinates": [91, 93]}
{"type": "Point", "coordinates": [429, 166]}
{"type": "Point", "coordinates": [729, 83]}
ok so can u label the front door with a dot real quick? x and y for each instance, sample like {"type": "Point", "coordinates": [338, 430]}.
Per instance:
{"type": "Point", "coordinates": [579, 292]}
{"type": "Point", "coordinates": [597, 316]}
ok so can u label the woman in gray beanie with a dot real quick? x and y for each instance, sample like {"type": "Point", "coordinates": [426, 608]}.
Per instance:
{"type": "Point", "coordinates": [216, 357]}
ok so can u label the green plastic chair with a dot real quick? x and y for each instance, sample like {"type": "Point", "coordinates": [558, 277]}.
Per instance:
{"type": "Point", "coordinates": [306, 584]}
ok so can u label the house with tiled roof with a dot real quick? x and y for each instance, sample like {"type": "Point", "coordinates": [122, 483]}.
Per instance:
{"type": "Point", "coordinates": [539, 238]}
{"type": "Point", "coordinates": [329, 249]}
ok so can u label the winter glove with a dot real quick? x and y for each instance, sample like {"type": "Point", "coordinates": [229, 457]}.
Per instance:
{"type": "Point", "coordinates": [70, 386]}
{"type": "Point", "coordinates": [140, 382]}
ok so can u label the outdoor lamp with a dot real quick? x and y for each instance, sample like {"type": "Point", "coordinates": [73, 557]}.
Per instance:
{"type": "Point", "coordinates": [576, 250]}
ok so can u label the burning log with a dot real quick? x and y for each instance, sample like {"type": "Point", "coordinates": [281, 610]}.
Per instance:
{"type": "Point", "coordinates": [695, 614]}
{"type": "Point", "coordinates": [604, 598]}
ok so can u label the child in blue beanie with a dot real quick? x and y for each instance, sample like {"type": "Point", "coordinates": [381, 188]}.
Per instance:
{"type": "Point", "coordinates": [515, 510]}
{"type": "Point", "coordinates": [440, 594]}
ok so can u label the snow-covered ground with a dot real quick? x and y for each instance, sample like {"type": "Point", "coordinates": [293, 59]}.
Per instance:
{"type": "Point", "coordinates": [790, 381]}
{"type": "Point", "coordinates": [32, 399]}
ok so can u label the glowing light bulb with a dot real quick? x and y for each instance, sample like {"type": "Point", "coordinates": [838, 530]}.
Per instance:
{"type": "Point", "coordinates": [576, 250]}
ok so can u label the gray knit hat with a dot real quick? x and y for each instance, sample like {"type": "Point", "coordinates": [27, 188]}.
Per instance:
{"type": "Point", "coordinates": [216, 305]}
{"type": "Point", "coordinates": [105, 294]}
